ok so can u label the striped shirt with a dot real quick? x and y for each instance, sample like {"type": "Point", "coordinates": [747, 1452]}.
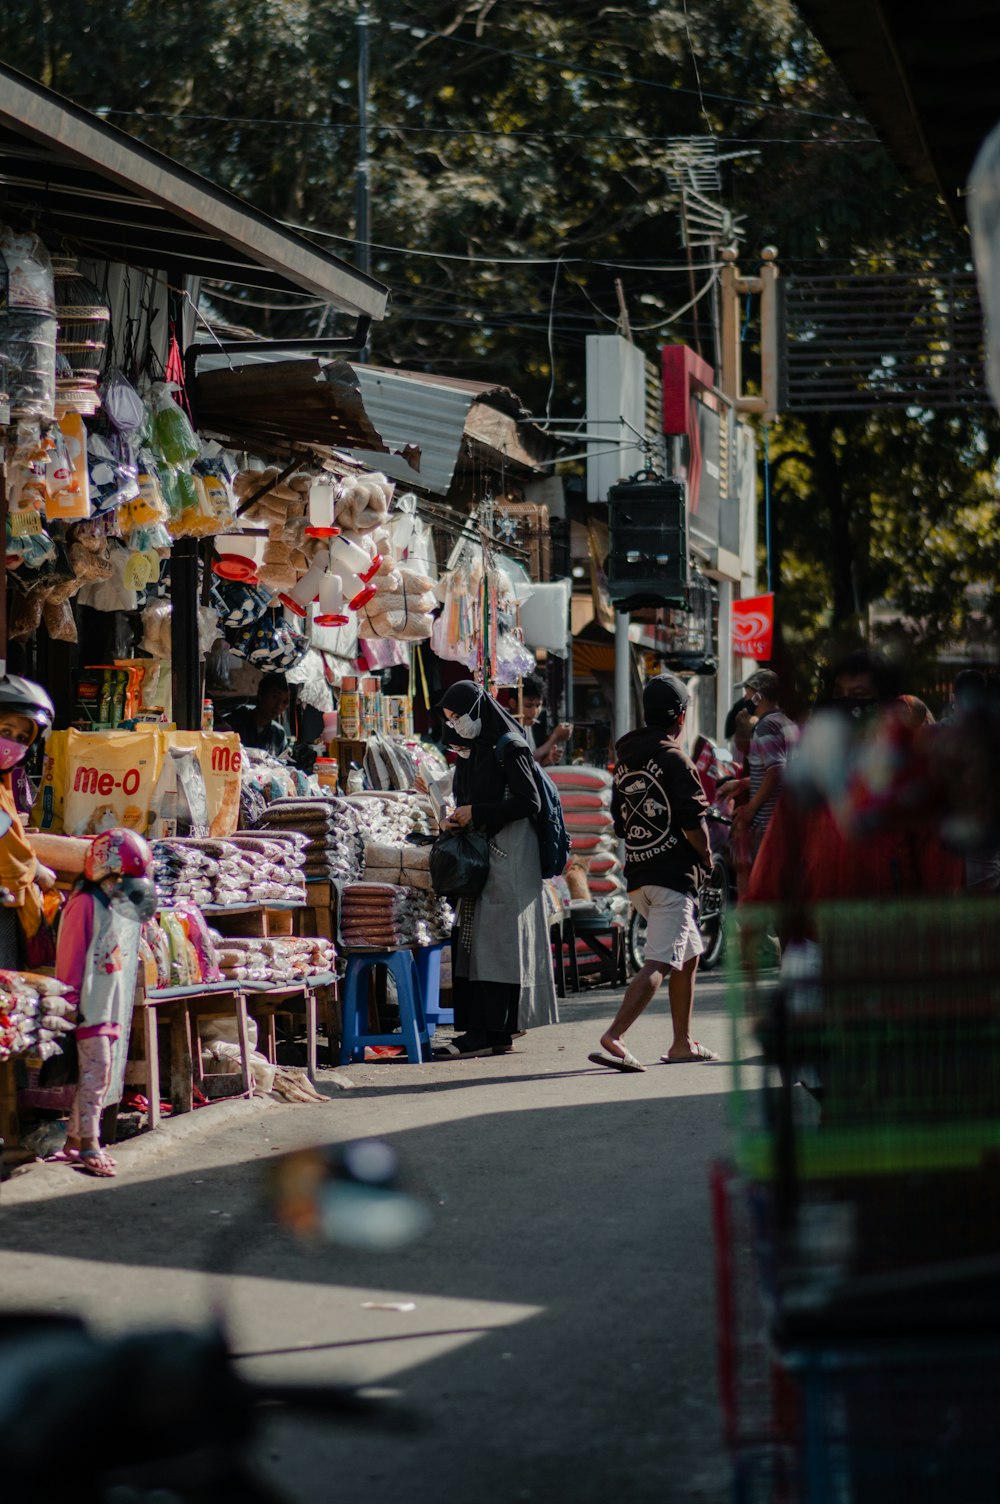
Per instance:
{"type": "Point", "coordinates": [773, 738]}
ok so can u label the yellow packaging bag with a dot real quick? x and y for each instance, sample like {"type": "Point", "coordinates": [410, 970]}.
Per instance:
{"type": "Point", "coordinates": [47, 811]}
{"type": "Point", "coordinates": [109, 779]}
{"type": "Point", "coordinates": [220, 754]}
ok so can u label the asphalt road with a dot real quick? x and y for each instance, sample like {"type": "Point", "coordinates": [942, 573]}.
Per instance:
{"type": "Point", "coordinates": [561, 1341]}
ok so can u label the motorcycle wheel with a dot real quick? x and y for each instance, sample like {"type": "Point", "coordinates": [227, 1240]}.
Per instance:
{"type": "Point", "coordinates": [713, 906]}
{"type": "Point", "coordinates": [636, 941]}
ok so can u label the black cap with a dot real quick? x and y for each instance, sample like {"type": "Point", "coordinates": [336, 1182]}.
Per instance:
{"type": "Point", "coordinates": [663, 699]}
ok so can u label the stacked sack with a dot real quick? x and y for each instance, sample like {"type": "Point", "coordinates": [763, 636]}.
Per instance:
{"type": "Point", "coordinates": [407, 865]}
{"type": "Point", "coordinates": [585, 796]}
{"type": "Point", "coordinates": [281, 960]}
{"type": "Point", "coordinates": [34, 1015]}
{"type": "Point", "coordinates": [384, 916]}
{"type": "Point", "coordinates": [375, 916]}
{"type": "Point", "coordinates": [331, 836]}
{"type": "Point", "coordinates": [391, 817]}
{"type": "Point", "coordinates": [224, 873]}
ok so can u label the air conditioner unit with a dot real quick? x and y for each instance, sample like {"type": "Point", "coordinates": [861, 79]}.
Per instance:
{"type": "Point", "coordinates": [648, 557]}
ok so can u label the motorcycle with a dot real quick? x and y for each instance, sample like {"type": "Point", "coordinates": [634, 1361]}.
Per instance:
{"type": "Point", "coordinates": [181, 1416]}
{"type": "Point", "coordinates": [717, 889]}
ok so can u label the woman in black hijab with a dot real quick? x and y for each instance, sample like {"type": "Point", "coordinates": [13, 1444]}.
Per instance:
{"type": "Point", "coordinates": [502, 977]}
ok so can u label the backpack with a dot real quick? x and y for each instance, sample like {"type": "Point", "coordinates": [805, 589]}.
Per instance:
{"type": "Point", "coordinates": [550, 827]}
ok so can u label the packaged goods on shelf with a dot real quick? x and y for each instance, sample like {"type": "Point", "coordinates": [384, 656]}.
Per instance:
{"type": "Point", "coordinates": [383, 916]}
{"type": "Point", "coordinates": [391, 816]}
{"type": "Point", "coordinates": [331, 830]}
{"type": "Point", "coordinates": [228, 873]}
{"type": "Point", "coordinates": [34, 1015]}
{"type": "Point", "coordinates": [93, 780]}
{"type": "Point", "coordinates": [406, 864]}
{"type": "Point", "coordinates": [282, 959]}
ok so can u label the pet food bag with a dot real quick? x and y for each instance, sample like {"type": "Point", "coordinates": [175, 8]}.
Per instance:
{"type": "Point", "coordinates": [221, 756]}
{"type": "Point", "coordinates": [109, 779]}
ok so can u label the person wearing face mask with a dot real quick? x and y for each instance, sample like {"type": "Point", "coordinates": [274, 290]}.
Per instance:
{"type": "Point", "coordinates": [25, 712]}
{"type": "Point", "coordinates": [99, 927]}
{"type": "Point", "coordinates": [502, 972]}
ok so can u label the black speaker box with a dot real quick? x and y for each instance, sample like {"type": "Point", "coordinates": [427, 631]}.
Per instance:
{"type": "Point", "coordinates": [648, 558]}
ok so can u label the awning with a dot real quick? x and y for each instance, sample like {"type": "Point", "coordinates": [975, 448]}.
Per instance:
{"type": "Point", "coordinates": [451, 420]}
{"type": "Point", "coordinates": [925, 78]}
{"type": "Point", "coordinates": [287, 405]}
{"type": "Point", "coordinates": [74, 176]}
{"type": "Point", "coordinates": [419, 429]}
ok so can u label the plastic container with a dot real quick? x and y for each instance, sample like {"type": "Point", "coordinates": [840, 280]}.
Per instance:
{"type": "Point", "coordinates": [328, 772]}
{"type": "Point", "coordinates": [350, 714]}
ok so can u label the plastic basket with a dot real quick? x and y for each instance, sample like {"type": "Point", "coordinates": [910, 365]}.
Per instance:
{"type": "Point", "coordinates": [872, 1103]}
{"type": "Point", "coordinates": [907, 1421]}
{"type": "Point", "coordinates": [758, 1398]}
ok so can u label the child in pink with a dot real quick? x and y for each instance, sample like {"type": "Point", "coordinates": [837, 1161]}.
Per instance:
{"type": "Point", "coordinates": [99, 925]}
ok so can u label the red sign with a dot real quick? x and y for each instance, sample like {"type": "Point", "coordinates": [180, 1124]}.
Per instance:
{"type": "Point", "coordinates": [753, 627]}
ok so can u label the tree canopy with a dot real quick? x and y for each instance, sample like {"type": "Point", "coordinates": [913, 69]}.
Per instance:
{"type": "Point", "coordinates": [524, 157]}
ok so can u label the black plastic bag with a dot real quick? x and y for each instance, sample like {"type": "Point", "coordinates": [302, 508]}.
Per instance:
{"type": "Point", "coordinates": [460, 863]}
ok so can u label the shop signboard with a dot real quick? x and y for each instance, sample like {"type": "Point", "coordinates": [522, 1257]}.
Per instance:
{"type": "Point", "coordinates": [753, 627]}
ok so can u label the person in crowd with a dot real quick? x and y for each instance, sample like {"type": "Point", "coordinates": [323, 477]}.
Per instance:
{"type": "Point", "coordinates": [502, 968]}
{"type": "Point", "coordinates": [915, 713]}
{"type": "Point", "coordinates": [773, 736]}
{"type": "Point", "coordinates": [548, 748]}
{"type": "Point", "coordinates": [840, 830]}
{"type": "Point", "coordinates": [741, 718]}
{"type": "Point", "coordinates": [29, 901]}
{"type": "Point", "coordinates": [99, 927]}
{"type": "Point", "coordinates": [259, 725]}
{"type": "Point", "coordinates": [659, 810]}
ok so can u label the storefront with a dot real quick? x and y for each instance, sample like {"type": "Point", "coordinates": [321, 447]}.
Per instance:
{"type": "Point", "coordinates": [185, 514]}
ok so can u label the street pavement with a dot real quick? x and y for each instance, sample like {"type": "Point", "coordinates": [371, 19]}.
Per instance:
{"type": "Point", "coordinates": [561, 1341]}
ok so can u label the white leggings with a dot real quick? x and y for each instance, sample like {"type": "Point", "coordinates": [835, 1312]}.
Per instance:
{"type": "Point", "coordinates": [93, 1081]}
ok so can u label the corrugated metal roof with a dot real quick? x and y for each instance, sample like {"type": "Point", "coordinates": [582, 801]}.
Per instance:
{"type": "Point", "coordinates": [415, 409]}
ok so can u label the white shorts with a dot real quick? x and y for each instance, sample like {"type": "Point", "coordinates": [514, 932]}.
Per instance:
{"type": "Point", "coordinates": [672, 935]}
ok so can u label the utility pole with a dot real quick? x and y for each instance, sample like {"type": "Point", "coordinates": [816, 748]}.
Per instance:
{"type": "Point", "coordinates": [363, 209]}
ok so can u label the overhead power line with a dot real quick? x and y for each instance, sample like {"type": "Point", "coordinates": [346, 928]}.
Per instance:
{"type": "Point", "coordinates": [403, 250]}
{"type": "Point", "coordinates": [475, 130]}
{"type": "Point", "coordinates": [566, 65]}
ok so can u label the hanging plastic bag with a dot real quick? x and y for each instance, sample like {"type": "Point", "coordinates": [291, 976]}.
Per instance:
{"type": "Point", "coordinates": [173, 437]}
{"type": "Point", "coordinates": [126, 415]}
{"type": "Point", "coordinates": [114, 593]}
{"type": "Point", "coordinates": [149, 508]}
{"type": "Point", "coordinates": [112, 483]}
{"type": "Point", "coordinates": [67, 478]}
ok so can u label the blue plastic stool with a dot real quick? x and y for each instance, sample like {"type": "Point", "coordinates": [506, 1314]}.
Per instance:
{"type": "Point", "coordinates": [428, 959]}
{"type": "Point", "coordinates": [400, 965]}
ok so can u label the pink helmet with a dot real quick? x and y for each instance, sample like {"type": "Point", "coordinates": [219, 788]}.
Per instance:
{"type": "Point", "coordinates": [118, 853]}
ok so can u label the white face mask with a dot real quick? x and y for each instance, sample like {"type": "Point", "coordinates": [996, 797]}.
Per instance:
{"type": "Point", "coordinates": [467, 727]}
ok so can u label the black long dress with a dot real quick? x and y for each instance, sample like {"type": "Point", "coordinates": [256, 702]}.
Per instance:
{"type": "Point", "coordinates": [499, 794]}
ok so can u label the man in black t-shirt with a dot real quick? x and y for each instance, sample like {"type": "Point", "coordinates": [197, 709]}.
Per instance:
{"type": "Point", "coordinates": [659, 809]}
{"type": "Point", "coordinates": [258, 725]}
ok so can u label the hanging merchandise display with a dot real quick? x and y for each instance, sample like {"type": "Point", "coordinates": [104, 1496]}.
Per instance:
{"type": "Point", "coordinates": [322, 508]}
{"type": "Point", "coordinates": [307, 589]}
{"type": "Point", "coordinates": [68, 478]}
{"type": "Point", "coordinates": [27, 325]}
{"type": "Point", "coordinates": [544, 616]}
{"type": "Point", "coordinates": [411, 540]}
{"type": "Point", "coordinates": [84, 321]}
{"type": "Point", "coordinates": [331, 611]}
